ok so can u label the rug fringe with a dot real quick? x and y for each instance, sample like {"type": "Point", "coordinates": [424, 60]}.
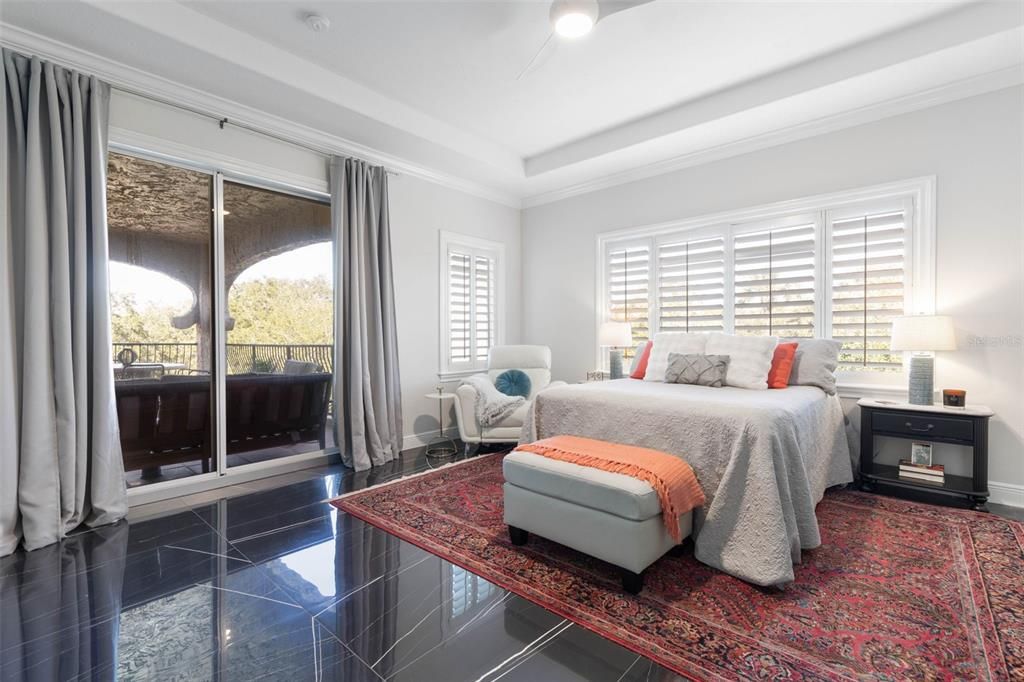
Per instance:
{"type": "Point", "coordinates": [415, 475]}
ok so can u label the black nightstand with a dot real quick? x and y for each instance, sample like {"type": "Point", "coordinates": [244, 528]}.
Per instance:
{"type": "Point", "coordinates": [931, 423]}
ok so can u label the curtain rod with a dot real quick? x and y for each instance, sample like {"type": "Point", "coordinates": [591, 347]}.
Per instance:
{"type": "Point", "coordinates": [225, 121]}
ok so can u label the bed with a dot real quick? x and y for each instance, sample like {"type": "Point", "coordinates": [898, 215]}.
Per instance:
{"type": "Point", "coordinates": [763, 458]}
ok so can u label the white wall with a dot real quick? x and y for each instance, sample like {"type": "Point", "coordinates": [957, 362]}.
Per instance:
{"type": "Point", "coordinates": [419, 211]}
{"type": "Point", "coordinates": [974, 147]}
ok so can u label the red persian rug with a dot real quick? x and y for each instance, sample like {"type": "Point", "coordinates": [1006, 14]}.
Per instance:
{"type": "Point", "coordinates": [897, 591]}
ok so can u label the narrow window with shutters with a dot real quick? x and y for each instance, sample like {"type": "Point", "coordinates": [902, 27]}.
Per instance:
{"type": "Point", "coordinates": [774, 272]}
{"type": "Point", "coordinates": [471, 323]}
{"type": "Point", "coordinates": [691, 285]}
{"type": "Point", "coordinates": [868, 280]}
{"type": "Point", "coordinates": [628, 282]}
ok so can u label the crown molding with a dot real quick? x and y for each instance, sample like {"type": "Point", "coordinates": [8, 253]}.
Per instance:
{"type": "Point", "coordinates": [962, 89]}
{"type": "Point", "coordinates": [137, 81]}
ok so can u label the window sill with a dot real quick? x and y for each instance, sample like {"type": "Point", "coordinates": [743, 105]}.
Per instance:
{"type": "Point", "coordinates": [857, 391]}
{"type": "Point", "coordinates": [456, 374]}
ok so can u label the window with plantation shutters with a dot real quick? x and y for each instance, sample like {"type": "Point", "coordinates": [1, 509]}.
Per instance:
{"type": "Point", "coordinates": [868, 264]}
{"type": "Point", "coordinates": [691, 285]}
{"type": "Point", "coordinates": [471, 322]}
{"type": "Point", "coordinates": [628, 283]}
{"type": "Point", "coordinates": [774, 274]}
{"type": "Point", "coordinates": [839, 266]}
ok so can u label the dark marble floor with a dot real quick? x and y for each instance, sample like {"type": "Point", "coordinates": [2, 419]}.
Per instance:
{"type": "Point", "coordinates": [265, 581]}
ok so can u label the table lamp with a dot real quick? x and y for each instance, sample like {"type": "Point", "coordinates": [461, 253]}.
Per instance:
{"type": "Point", "coordinates": [615, 335]}
{"type": "Point", "coordinates": [922, 335]}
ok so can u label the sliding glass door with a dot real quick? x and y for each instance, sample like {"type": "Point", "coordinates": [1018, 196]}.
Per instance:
{"type": "Point", "coordinates": [279, 321]}
{"type": "Point", "coordinates": [160, 223]}
{"type": "Point", "coordinates": [222, 309]}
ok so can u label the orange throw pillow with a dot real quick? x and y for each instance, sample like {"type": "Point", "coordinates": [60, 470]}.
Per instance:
{"type": "Point", "coordinates": [782, 365]}
{"type": "Point", "coordinates": [641, 367]}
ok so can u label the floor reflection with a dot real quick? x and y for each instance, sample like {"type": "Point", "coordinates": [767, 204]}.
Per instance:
{"type": "Point", "coordinates": [277, 584]}
{"type": "Point", "coordinates": [60, 608]}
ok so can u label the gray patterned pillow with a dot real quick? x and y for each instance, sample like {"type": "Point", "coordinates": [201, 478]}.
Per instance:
{"type": "Point", "coordinates": [702, 370]}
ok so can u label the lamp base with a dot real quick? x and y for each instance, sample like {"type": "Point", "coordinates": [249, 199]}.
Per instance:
{"type": "Point", "coordinates": [615, 364]}
{"type": "Point", "coordinates": [922, 373]}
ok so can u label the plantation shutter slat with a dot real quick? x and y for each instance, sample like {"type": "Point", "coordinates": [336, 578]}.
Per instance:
{"type": "Point", "coordinates": [629, 270]}
{"type": "Point", "coordinates": [775, 287]}
{"type": "Point", "coordinates": [868, 273]}
{"type": "Point", "coordinates": [691, 285]}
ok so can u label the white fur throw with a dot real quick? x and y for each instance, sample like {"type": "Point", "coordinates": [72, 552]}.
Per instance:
{"type": "Point", "coordinates": [672, 342]}
{"type": "Point", "coordinates": [492, 406]}
{"type": "Point", "coordinates": [750, 358]}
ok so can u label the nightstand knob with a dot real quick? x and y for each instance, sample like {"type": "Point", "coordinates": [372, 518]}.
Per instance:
{"type": "Point", "coordinates": [910, 426]}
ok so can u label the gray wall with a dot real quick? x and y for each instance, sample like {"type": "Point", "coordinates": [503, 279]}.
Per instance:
{"type": "Point", "coordinates": [974, 147]}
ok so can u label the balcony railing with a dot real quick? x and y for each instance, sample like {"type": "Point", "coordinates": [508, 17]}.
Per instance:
{"type": "Point", "coordinates": [243, 358]}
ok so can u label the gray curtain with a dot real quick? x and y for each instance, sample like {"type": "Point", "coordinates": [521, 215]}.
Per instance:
{"type": "Point", "coordinates": [367, 394]}
{"type": "Point", "coordinates": [60, 456]}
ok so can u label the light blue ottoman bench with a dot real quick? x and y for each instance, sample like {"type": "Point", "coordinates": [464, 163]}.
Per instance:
{"type": "Point", "coordinates": [613, 517]}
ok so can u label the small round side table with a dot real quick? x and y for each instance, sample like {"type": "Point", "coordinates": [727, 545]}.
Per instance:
{"type": "Point", "coordinates": [442, 446]}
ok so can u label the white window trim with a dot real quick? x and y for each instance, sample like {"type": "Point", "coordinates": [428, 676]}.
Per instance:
{"type": "Point", "coordinates": [921, 230]}
{"type": "Point", "coordinates": [452, 239]}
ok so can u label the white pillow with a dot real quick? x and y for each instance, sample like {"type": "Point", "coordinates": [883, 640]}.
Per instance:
{"type": "Point", "coordinates": [672, 342]}
{"type": "Point", "coordinates": [750, 358]}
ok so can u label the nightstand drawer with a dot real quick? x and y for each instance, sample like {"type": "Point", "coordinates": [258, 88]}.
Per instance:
{"type": "Point", "coordinates": [923, 425]}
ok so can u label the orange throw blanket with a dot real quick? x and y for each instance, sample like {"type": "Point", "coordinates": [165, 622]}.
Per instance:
{"type": "Point", "coordinates": [672, 478]}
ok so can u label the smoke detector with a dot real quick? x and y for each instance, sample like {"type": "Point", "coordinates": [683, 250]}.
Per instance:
{"type": "Point", "coordinates": [317, 23]}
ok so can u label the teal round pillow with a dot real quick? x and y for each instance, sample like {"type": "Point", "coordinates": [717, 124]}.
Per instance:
{"type": "Point", "coordinates": [513, 382]}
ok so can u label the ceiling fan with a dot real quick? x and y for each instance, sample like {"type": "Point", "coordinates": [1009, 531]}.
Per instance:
{"type": "Point", "coordinates": [573, 19]}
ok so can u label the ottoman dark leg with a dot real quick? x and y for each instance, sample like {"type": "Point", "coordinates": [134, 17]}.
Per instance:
{"type": "Point", "coordinates": [518, 536]}
{"type": "Point", "coordinates": [632, 582]}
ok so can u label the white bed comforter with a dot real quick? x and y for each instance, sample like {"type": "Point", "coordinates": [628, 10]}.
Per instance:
{"type": "Point", "coordinates": [763, 458]}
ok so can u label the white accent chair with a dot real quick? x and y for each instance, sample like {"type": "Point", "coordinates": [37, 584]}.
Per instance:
{"type": "Point", "coordinates": [535, 361]}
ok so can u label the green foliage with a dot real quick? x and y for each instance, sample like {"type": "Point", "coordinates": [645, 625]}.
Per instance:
{"type": "Point", "coordinates": [274, 311]}
{"type": "Point", "coordinates": [282, 311]}
{"type": "Point", "coordinates": [131, 322]}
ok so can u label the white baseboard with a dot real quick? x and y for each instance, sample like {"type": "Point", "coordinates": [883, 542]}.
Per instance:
{"type": "Point", "coordinates": [418, 440]}
{"type": "Point", "coordinates": [1006, 493]}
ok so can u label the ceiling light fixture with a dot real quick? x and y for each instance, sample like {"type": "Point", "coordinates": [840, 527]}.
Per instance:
{"type": "Point", "coordinates": [574, 18]}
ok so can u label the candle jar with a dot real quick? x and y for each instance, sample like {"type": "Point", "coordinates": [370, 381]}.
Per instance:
{"type": "Point", "coordinates": [954, 398]}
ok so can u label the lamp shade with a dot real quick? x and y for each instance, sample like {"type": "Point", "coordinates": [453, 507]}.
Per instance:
{"type": "Point", "coordinates": [616, 334]}
{"type": "Point", "coordinates": [923, 333]}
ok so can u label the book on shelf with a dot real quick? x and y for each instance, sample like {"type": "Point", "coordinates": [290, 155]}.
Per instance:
{"type": "Point", "coordinates": [907, 465]}
{"type": "Point", "coordinates": [922, 478]}
{"type": "Point", "coordinates": [932, 473]}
